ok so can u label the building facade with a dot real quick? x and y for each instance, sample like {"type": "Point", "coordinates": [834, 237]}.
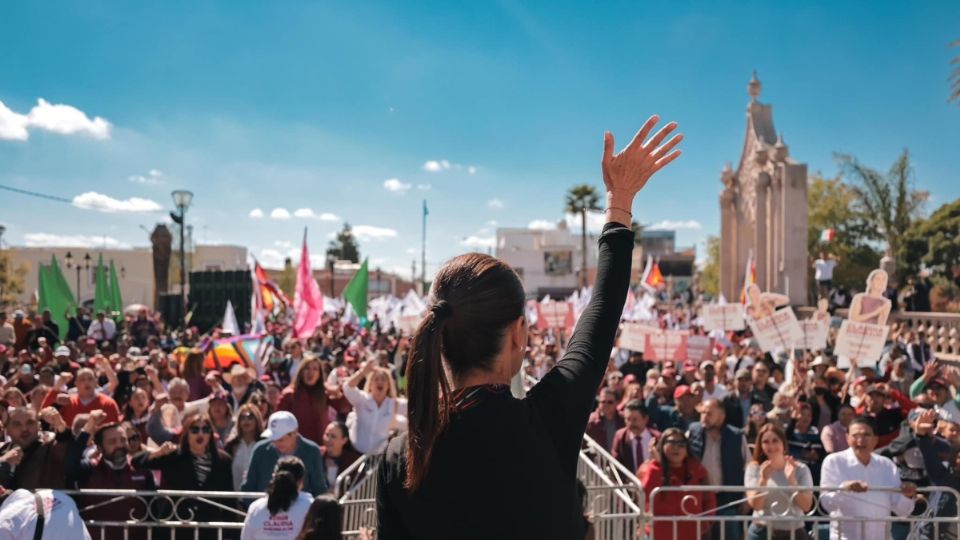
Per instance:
{"type": "Point", "coordinates": [763, 211]}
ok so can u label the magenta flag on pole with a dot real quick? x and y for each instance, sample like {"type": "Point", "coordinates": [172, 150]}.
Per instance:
{"type": "Point", "coordinates": [308, 300]}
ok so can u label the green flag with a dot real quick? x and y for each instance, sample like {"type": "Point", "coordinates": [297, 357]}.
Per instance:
{"type": "Point", "coordinates": [115, 297]}
{"type": "Point", "coordinates": [102, 298]}
{"type": "Point", "coordinates": [356, 292]}
{"type": "Point", "coordinates": [54, 295]}
{"type": "Point", "coordinates": [61, 280]}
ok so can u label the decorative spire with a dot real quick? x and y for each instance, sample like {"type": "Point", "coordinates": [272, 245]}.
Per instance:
{"type": "Point", "coordinates": [754, 87]}
{"type": "Point", "coordinates": [780, 150]}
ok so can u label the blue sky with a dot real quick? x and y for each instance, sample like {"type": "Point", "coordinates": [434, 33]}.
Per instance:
{"type": "Point", "coordinates": [309, 105]}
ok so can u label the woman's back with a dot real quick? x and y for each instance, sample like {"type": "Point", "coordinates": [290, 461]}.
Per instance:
{"type": "Point", "coordinates": [495, 473]}
{"type": "Point", "coordinates": [260, 524]}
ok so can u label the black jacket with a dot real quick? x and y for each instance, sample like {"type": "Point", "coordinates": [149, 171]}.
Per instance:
{"type": "Point", "coordinates": [506, 468]}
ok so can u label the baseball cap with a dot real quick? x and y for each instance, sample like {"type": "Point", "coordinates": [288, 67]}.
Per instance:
{"type": "Point", "coordinates": [705, 364]}
{"type": "Point", "coordinates": [876, 389]}
{"type": "Point", "coordinates": [680, 391]}
{"type": "Point", "coordinates": [62, 350]}
{"type": "Point", "coordinates": [279, 424]}
{"type": "Point", "coordinates": [689, 366]}
{"type": "Point", "coordinates": [744, 373]}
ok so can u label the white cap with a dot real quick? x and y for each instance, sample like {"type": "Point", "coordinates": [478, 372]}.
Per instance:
{"type": "Point", "coordinates": [280, 424]}
{"type": "Point", "coordinates": [62, 350]}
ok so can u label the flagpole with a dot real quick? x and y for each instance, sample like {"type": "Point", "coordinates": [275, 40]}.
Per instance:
{"type": "Point", "coordinates": [423, 251]}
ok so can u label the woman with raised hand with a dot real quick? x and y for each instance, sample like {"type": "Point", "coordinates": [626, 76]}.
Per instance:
{"type": "Point", "coordinates": [477, 462]}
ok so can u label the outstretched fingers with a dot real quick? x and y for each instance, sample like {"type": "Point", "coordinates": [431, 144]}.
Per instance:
{"type": "Point", "coordinates": [662, 162]}
{"type": "Point", "coordinates": [667, 147]}
{"type": "Point", "coordinates": [608, 146]}
{"type": "Point", "coordinates": [661, 135]}
{"type": "Point", "coordinates": [644, 131]}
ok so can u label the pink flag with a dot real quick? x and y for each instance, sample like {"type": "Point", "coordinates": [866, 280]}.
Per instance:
{"type": "Point", "coordinates": [308, 300]}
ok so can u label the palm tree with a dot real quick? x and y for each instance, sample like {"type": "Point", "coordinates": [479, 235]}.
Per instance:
{"type": "Point", "coordinates": [581, 199]}
{"type": "Point", "coordinates": [955, 75]}
{"type": "Point", "coordinates": [888, 201]}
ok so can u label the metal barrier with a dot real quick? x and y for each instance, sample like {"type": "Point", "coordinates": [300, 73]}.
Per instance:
{"type": "Point", "coordinates": [614, 493]}
{"type": "Point", "coordinates": [163, 514]}
{"type": "Point", "coordinates": [357, 492]}
{"type": "Point", "coordinates": [828, 517]}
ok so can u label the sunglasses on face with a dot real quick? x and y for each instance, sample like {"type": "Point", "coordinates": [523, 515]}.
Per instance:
{"type": "Point", "coordinates": [196, 430]}
{"type": "Point", "coordinates": [675, 442]}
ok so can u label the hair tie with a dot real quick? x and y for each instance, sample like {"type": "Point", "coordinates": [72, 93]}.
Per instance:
{"type": "Point", "coordinates": [442, 309]}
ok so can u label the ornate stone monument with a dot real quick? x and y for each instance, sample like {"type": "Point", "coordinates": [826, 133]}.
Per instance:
{"type": "Point", "coordinates": [763, 211]}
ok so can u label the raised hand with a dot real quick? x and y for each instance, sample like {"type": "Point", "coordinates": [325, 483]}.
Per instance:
{"type": "Point", "coordinates": [163, 450]}
{"type": "Point", "coordinates": [625, 173]}
{"type": "Point", "coordinates": [52, 417]}
{"type": "Point", "coordinates": [926, 422]}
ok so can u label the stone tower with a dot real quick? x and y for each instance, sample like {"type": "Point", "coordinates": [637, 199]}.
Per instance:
{"type": "Point", "coordinates": [763, 211]}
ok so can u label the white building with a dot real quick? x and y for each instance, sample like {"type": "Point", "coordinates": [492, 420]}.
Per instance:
{"type": "Point", "coordinates": [548, 261]}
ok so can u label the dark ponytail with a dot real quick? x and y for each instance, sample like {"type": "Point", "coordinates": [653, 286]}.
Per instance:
{"type": "Point", "coordinates": [284, 486]}
{"type": "Point", "coordinates": [475, 297]}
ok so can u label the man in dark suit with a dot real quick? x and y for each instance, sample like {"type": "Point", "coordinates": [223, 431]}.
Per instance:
{"type": "Point", "coordinates": [632, 444]}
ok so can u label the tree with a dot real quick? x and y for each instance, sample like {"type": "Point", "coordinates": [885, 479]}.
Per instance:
{"type": "Point", "coordinates": [581, 199]}
{"type": "Point", "coordinates": [11, 279]}
{"type": "Point", "coordinates": [933, 242]}
{"type": "Point", "coordinates": [888, 202]}
{"type": "Point", "coordinates": [710, 272]}
{"type": "Point", "coordinates": [344, 246]}
{"type": "Point", "coordinates": [832, 205]}
{"type": "Point", "coordinates": [955, 75]}
{"type": "Point", "coordinates": [287, 278]}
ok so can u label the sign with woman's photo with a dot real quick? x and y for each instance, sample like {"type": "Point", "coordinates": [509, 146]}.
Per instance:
{"type": "Point", "coordinates": [778, 331]}
{"type": "Point", "coordinates": [864, 333]}
{"type": "Point", "coordinates": [666, 345]}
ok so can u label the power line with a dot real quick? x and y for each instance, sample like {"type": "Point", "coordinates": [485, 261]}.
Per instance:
{"type": "Point", "coordinates": [35, 194]}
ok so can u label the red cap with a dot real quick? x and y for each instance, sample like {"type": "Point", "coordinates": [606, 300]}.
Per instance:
{"type": "Point", "coordinates": [689, 366]}
{"type": "Point", "coordinates": [680, 391]}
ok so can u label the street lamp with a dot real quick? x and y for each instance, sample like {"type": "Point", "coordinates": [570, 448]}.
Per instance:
{"type": "Point", "coordinates": [86, 264]}
{"type": "Point", "coordinates": [2, 230]}
{"type": "Point", "coordinates": [331, 258]}
{"type": "Point", "coordinates": [182, 199]}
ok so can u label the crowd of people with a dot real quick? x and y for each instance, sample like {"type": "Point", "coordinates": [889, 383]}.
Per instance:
{"type": "Point", "coordinates": [132, 404]}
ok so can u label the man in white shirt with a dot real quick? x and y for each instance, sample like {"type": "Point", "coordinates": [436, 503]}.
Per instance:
{"type": "Point", "coordinates": [823, 272]}
{"type": "Point", "coordinates": [7, 333]}
{"type": "Point", "coordinates": [708, 380]}
{"type": "Point", "coordinates": [858, 474]}
{"type": "Point", "coordinates": [20, 509]}
{"type": "Point", "coordinates": [102, 329]}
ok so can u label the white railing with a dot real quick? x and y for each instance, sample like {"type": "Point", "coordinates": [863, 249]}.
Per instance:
{"type": "Point", "coordinates": [818, 522]}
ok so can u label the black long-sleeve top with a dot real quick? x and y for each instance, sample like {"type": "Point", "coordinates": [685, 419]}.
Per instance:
{"type": "Point", "coordinates": [506, 467]}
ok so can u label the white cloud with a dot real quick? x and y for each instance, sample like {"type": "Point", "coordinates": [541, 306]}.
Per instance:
{"type": "Point", "coordinates": [153, 177]}
{"type": "Point", "coordinates": [424, 187]}
{"type": "Point", "coordinates": [595, 222]}
{"type": "Point", "coordinates": [256, 213]}
{"type": "Point", "coordinates": [13, 126]}
{"type": "Point", "coordinates": [66, 120]}
{"type": "Point", "coordinates": [306, 213]}
{"type": "Point", "coordinates": [327, 216]}
{"type": "Point", "coordinates": [439, 165]}
{"type": "Point", "coordinates": [412, 251]}
{"type": "Point", "coordinates": [396, 186]}
{"type": "Point", "coordinates": [279, 213]}
{"type": "Point", "coordinates": [92, 200]}
{"type": "Point", "coordinates": [46, 240]}
{"type": "Point", "coordinates": [492, 223]}
{"type": "Point", "coordinates": [284, 244]}
{"type": "Point", "coordinates": [495, 204]}
{"type": "Point", "coordinates": [271, 258]}
{"type": "Point", "coordinates": [478, 241]}
{"type": "Point", "coordinates": [542, 225]}
{"type": "Point", "coordinates": [667, 224]}
{"type": "Point", "coordinates": [370, 232]}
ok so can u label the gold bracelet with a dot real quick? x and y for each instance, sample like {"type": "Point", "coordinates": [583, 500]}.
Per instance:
{"type": "Point", "coordinates": [621, 210]}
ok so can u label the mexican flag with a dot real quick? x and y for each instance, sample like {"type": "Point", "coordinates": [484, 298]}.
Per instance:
{"type": "Point", "coordinates": [355, 294]}
{"type": "Point", "coordinates": [828, 235]}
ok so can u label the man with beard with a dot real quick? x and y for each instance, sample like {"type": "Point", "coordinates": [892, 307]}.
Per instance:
{"type": "Point", "coordinates": [29, 461]}
{"type": "Point", "coordinates": [112, 470]}
{"type": "Point", "coordinates": [86, 400]}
